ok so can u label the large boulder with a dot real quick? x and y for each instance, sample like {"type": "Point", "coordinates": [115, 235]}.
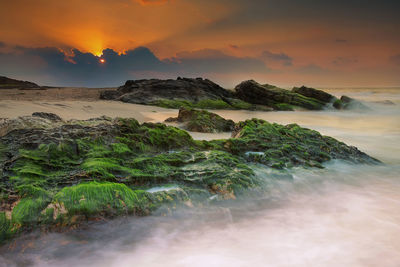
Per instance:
{"type": "Point", "coordinates": [283, 146]}
{"type": "Point", "coordinates": [153, 90]}
{"type": "Point", "coordinates": [278, 98]}
{"type": "Point", "coordinates": [202, 121]}
{"type": "Point", "coordinates": [315, 93]}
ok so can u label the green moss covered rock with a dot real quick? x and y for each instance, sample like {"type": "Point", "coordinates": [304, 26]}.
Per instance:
{"type": "Point", "coordinates": [67, 173]}
{"type": "Point", "coordinates": [280, 146]}
{"type": "Point", "coordinates": [202, 121]}
{"type": "Point", "coordinates": [278, 98]}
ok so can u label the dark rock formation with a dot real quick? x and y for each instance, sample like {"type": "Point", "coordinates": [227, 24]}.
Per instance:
{"type": "Point", "coordinates": [202, 121]}
{"type": "Point", "coordinates": [204, 94]}
{"type": "Point", "coordinates": [314, 93]}
{"type": "Point", "coordinates": [8, 83]}
{"type": "Point", "coordinates": [151, 91]}
{"type": "Point", "coordinates": [255, 93]}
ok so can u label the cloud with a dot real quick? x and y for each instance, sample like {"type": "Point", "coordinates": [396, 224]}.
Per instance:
{"type": "Point", "coordinates": [341, 40]}
{"type": "Point", "coordinates": [395, 59]}
{"type": "Point", "coordinates": [85, 69]}
{"type": "Point", "coordinates": [281, 58]}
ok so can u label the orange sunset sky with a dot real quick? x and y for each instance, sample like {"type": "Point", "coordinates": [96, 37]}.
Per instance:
{"type": "Point", "coordinates": [287, 43]}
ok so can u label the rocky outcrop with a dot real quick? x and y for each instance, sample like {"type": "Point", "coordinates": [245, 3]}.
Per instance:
{"type": "Point", "coordinates": [204, 94]}
{"type": "Point", "coordinates": [154, 90]}
{"type": "Point", "coordinates": [278, 98]}
{"type": "Point", "coordinates": [64, 173]}
{"type": "Point", "coordinates": [23, 122]}
{"type": "Point", "coordinates": [202, 121]}
{"type": "Point", "coordinates": [284, 146]}
{"type": "Point", "coordinates": [8, 83]}
{"type": "Point", "coordinates": [44, 121]}
{"type": "Point", "coordinates": [315, 93]}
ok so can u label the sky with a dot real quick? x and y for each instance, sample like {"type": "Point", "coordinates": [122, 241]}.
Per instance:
{"type": "Point", "coordinates": [100, 43]}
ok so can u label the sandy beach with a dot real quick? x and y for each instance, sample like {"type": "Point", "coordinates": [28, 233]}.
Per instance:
{"type": "Point", "coordinates": [75, 103]}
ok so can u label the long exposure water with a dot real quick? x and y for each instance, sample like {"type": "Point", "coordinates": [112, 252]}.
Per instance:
{"type": "Point", "coordinates": [343, 215]}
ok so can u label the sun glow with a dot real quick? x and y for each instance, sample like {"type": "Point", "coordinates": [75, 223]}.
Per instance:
{"type": "Point", "coordinates": [102, 60]}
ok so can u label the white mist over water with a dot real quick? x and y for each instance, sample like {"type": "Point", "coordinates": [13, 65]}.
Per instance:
{"type": "Point", "coordinates": [343, 215]}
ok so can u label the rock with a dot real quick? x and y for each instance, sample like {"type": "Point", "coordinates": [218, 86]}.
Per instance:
{"type": "Point", "coordinates": [151, 91]}
{"type": "Point", "coordinates": [8, 83]}
{"type": "Point", "coordinates": [204, 94]}
{"type": "Point", "coordinates": [315, 93]}
{"type": "Point", "coordinates": [202, 121]}
{"type": "Point", "coordinates": [278, 98]}
{"type": "Point", "coordinates": [46, 115]}
{"type": "Point", "coordinates": [41, 122]}
{"type": "Point", "coordinates": [23, 122]}
{"type": "Point", "coordinates": [64, 173]}
{"type": "Point", "coordinates": [290, 145]}
{"type": "Point", "coordinates": [351, 103]}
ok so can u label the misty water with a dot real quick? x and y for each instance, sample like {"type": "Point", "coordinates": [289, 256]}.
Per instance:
{"type": "Point", "coordinates": [343, 215]}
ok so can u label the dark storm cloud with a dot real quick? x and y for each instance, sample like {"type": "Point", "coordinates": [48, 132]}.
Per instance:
{"type": "Point", "coordinates": [85, 69]}
{"type": "Point", "coordinates": [282, 58]}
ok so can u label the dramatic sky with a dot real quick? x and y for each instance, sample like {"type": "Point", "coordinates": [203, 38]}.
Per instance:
{"type": "Point", "coordinates": [284, 42]}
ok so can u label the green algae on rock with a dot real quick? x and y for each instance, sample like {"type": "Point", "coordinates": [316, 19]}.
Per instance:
{"type": "Point", "coordinates": [290, 145]}
{"type": "Point", "coordinates": [202, 121]}
{"type": "Point", "coordinates": [278, 98]}
{"type": "Point", "coordinates": [64, 173]}
{"type": "Point", "coordinates": [315, 93]}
